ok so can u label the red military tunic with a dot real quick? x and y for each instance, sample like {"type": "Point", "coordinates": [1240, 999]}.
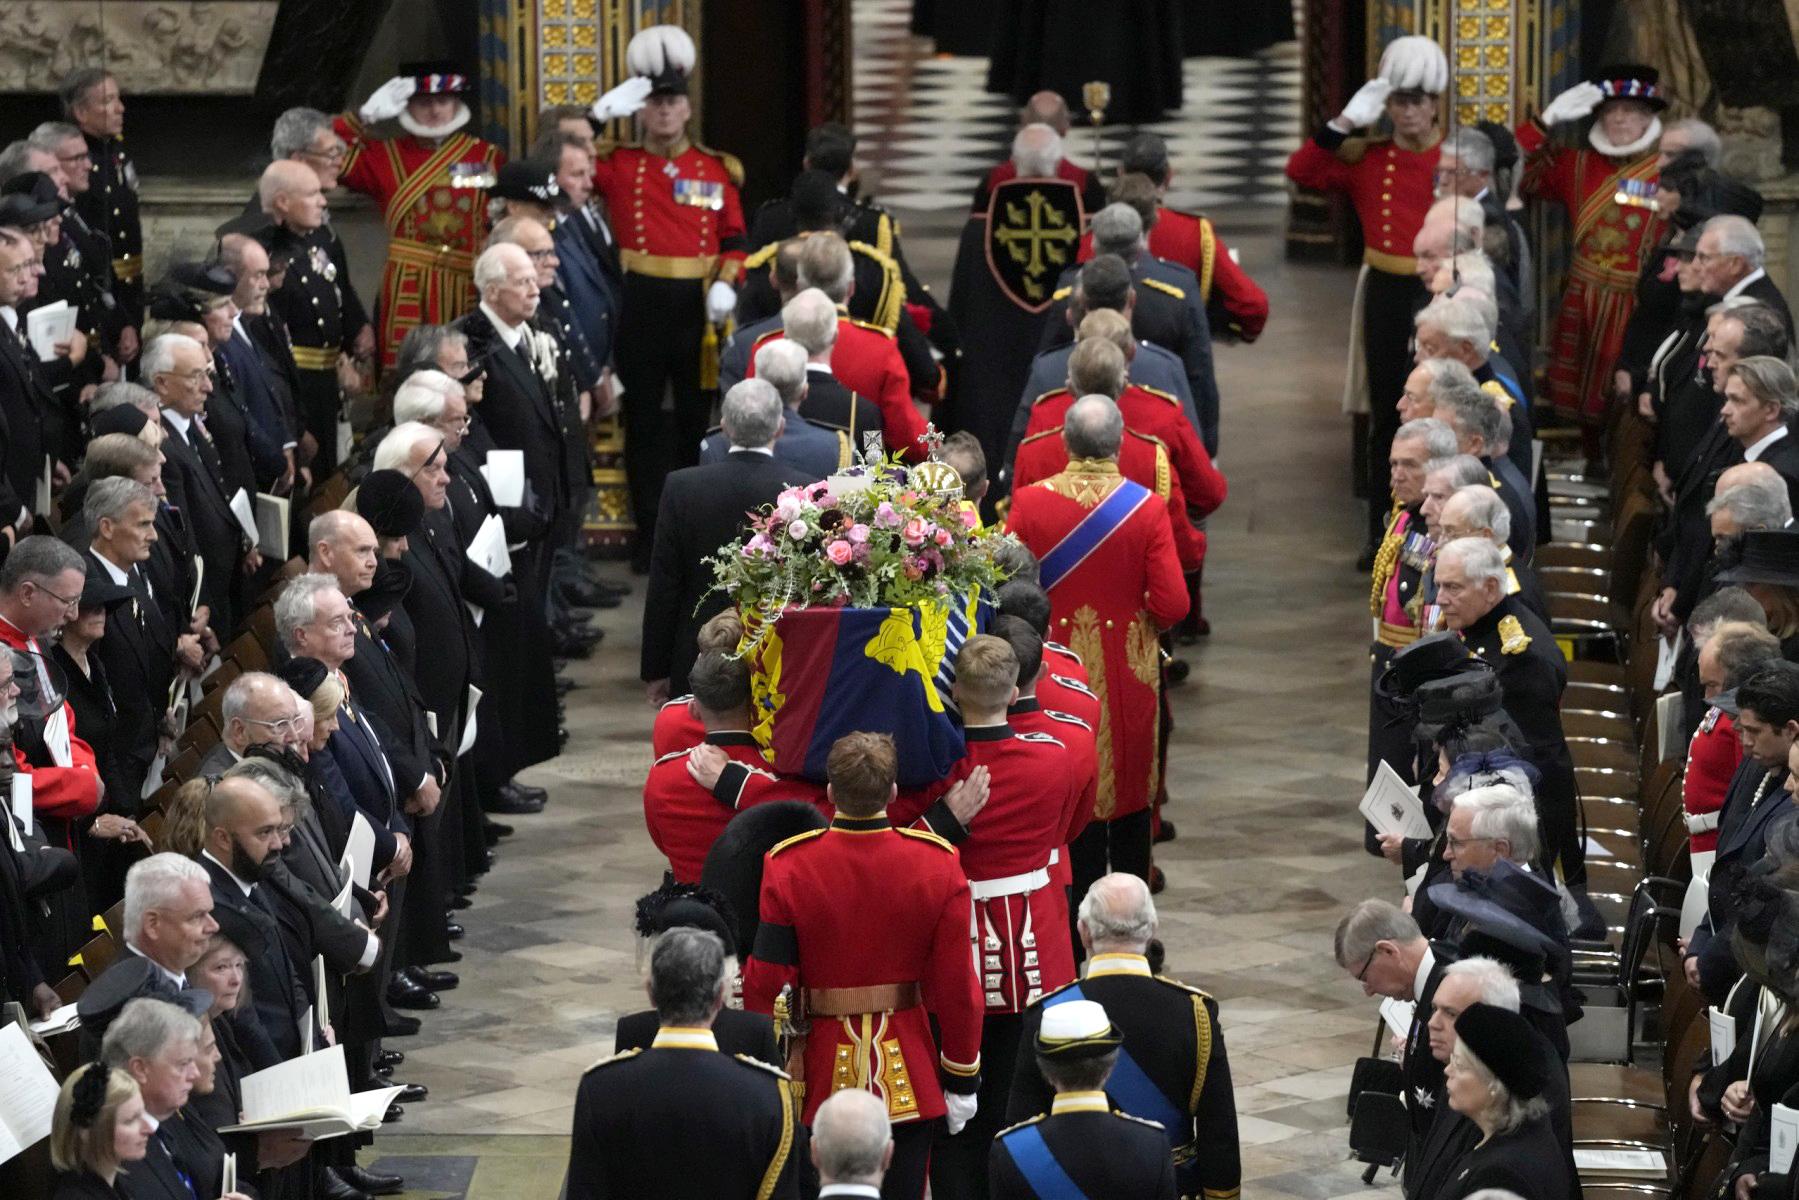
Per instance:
{"type": "Point", "coordinates": [1063, 687]}
{"type": "Point", "coordinates": [1235, 303]}
{"type": "Point", "coordinates": [1610, 241]}
{"type": "Point", "coordinates": [1080, 737]}
{"type": "Point", "coordinates": [866, 360]}
{"type": "Point", "coordinates": [1157, 414]}
{"type": "Point", "coordinates": [862, 905]}
{"type": "Point", "coordinates": [1712, 758]}
{"type": "Point", "coordinates": [684, 819]}
{"type": "Point", "coordinates": [57, 793]}
{"type": "Point", "coordinates": [1140, 457]}
{"type": "Point", "coordinates": [433, 199]}
{"type": "Point", "coordinates": [1112, 608]}
{"type": "Point", "coordinates": [1391, 188]}
{"type": "Point", "coordinates": [676, 728]}
{"type": "Point", "coordinates": [677, 216]}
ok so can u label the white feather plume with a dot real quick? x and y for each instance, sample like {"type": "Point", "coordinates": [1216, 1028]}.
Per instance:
{"type": "Point", "coordinates": [1415, 62]}
{"type": "Point", "coordinates": [660, 48]}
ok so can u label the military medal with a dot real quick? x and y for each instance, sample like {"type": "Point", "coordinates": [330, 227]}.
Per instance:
{"type": "Point", "coordinates": [1636, 193]}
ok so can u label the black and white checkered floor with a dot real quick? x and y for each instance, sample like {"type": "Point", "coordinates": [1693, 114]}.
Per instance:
{"type": "Point", "coordinates": [929, 129]}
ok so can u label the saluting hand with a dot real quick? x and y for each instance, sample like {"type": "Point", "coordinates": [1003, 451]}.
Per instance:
{"type": "Point", "coordinates": [1365, 107]}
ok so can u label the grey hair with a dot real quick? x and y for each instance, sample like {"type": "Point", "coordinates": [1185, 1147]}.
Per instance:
{"type": "Point", "coordinates": [297, 604]}
{"type": "Point", "coordinates": [491, 268]}
{"type": "Point", "coordinates": [1447, 373]}
{"type": "Point", "coordinates": [159, 355]}
{"type": "Point", "coordinates": [120, 391]}
{"type": "Point", "coordinates": [1498, 986]}
{"type": "Point", "coordinates": [1438, 438]}
{"type": "Point", "coordinates": [1755, 504]}
{"type": "Point", "coordinates": [143, 1028]}
{"type": "Point", "coordinates": [825, 263]}
{"type": "Point", "coordinates": [295, 131]}
{"type": "Point", "coordinates": [687, 975]}
{"type": "Point", "coordinates": [13, 158]}
{"type": "Point", "coordinates": [1480, 559]}
{"type": "Point", "coordinates": [850, 1135]}
{"type": "Point", "coordinates": [1728, 604]}
{"type": "Point", "coordinates": [1368, 924]}
{"type": "Point", "coordinates": [783, 364]}
{"type": "Point", "coordinates": [1473, 150]}
{"type": "Point", "coordinates": [396, 449]}
{"type": "Point", "coordinates": [1119, 910]}
{"type": "Point", "coordinates": [154, 883]}
{"type": "Point", "coordinates": [421, 346]}
{"type": "Point", "coordinates": [1093, 428]}
{"type": "Point", "coordinates": [1117, 229]}
{"type": "Point", "coordinates": [52, 134]}
{"type": "Point", "coordinates": [1473, 269]}
{"type": "Point", "coordinates": [1770, 380]}
{"type": "Point", "coordinates": [419, 400]}
{"type": "Point", "coordinates": [1459, 319]}
{"type": "Point", "coordinates": [1486, 508]}
{"type": "Point", "coordinates": [1036, 151]}
{"type": "Point", "coordinates": [37, 558]}
{"type": "Point", "coordinates": [1700, 137]}
{"type": "Point", "coordinates": [274, 778]}
{"type": "Point", "coordinates": [810, 319]}
{"type": "Point", "coordinates": [1739, 236]}
{"type": "Point", "coordinates": [1504, 814]}
{"type": "Point", "coordinates": [1731, 304]}
{"type": "Point", "coordinates": [751, 413]}
{"type": "Point", "coordinates": [107, 499]}
{"type": "Point", "coordinates": [1742, 649]}
{"type": "Point", "coordinates": [242, 692]}
{"type": "Point", "coordinates": [1473, 410]}
{"type": "Point", "coordinates": [1462, 470]}
{"type": "Point", "coordinates": [1506, 1112]}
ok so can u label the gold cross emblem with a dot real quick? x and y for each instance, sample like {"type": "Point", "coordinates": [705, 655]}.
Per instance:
{"type": "Point", "coordinates": [1037, 240]}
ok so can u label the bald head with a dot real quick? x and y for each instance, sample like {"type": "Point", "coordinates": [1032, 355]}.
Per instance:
{"type": "Point", "coordinates": [1093, 428]}
{"type": "Point", "coordinates": [1046, 108]}
{"type": "Point", "coordinates": [289, 191]}
{"type": "Point", "coordinates": [1117, 914]}
{"type": "Point", "coordinates": [1757, 473]}
{"type": "Point", "coordinates": [852, 1141]}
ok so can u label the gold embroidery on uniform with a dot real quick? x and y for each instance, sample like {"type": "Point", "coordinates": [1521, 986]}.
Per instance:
{"type": "Point", "coordinates": [1143, 650]}
{"type": "Point", "coordinates": [1162, 473]}
{"type": "Point", "coordinates": [1084, 640]}
{"type": "Point", "coordinates": [1202, 1030]}
{"type": "Point", "coordinates": [1512, 638]}
{"type": "Point", "coordinates": [901, 1101]}
{"type": "Point", "coordinates": [1386, 561]}
{"type": "Point", "coordinates": [778, 1163]}
{"type": "Point", "coordinates": [1086, 481]}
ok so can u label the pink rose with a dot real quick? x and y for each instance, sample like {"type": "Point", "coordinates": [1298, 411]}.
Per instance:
{"type": "Point", "coordinates": [797, 530]}
{"type": "Point", "coordinates": [886, 517]}
{"type": "Point", "coordinates": [941, 537]}
{"type": "Point", "coordinates": [858, 533]}
{"type": "Point", "coordinates": [839, 552]}
{"type": "Point", "coordinates": [971, 518]}
{"type": "Point", "coordinates": [915, 532]}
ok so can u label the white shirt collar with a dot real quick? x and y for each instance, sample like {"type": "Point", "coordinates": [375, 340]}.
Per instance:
{"type": "Point", "coordinates": [179, 421]}
{"type": "Point", "coordinates": [1751, 453]}
{"type": "Point", "coordinates": [1736, 289]}
{"type": "Point", "coordinates": [848, 1189]}
{"type": "Point", "coordinates": [242, 886]}
{"type": "Point", "coordinates": [179, 981]}
{"type": "Point", "coordinates": [11, 317]}
{"type": "Point", "coordinates": [820, 368]}
{"type": "Point", "coordinates": [1424, 968]}
{"type": "Point", "coordinates": [768, 450]}
{"type": "Point", "coordinates": [116, 573]}
{"type": "Point", "coordinates": [510, 334]}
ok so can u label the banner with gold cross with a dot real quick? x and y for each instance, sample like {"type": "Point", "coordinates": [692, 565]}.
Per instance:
{"type": "Point", "coordinates": [1033, 233]}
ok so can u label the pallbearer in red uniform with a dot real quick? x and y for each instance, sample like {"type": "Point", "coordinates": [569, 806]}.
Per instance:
{"type": "Point", "coordinates": [1009, 850]}
{"type": "Point", "coordinates": [1609, 192]}
{"type": "Point", "coordinates": [865, 937]}
{"type": "Point", "coordinates": [1391, 182]}
{"type": "Point", "coordinates": [681, 236]}
{"type": "Point", "coordinates": [1108, 562]}
{"type": "Point", "coordinates": [431, 185]}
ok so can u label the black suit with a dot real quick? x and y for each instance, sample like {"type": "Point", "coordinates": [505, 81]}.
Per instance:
{"type": "Point", "coordinates": [158, 1177]}
{"type": "Point", "coordinates": [1754, 804]}
{"type": "Point", "coordinates": [1685, 543]}
{"type": "Point", "coordinates": [702, 509]}
{"type": "Point", "coordinates": [1783, 456]}
{"type": "Point", "coordinates": [26, 406]}
{"type": "Point", "coordinates": [229, 424]}
{"type": "Point", "coordinates": [738, 1032]}
{"type": "Point", "coordinates": [1766, 291]}
{"type": "Point", "coordinates": [520, 410]}
{"type": "Point", "coordinates": [277, 976]}
{"type": "Point", "coordinates": [829, 403]}
{"type": "Point", "coordinates": [199, 491]}
{"type": "Point", "coordinates": [380, 687]}
{"type": "Point", "coordinates": [138, 658]}
{"type": "Point", "coordinates": [1422, 1073]}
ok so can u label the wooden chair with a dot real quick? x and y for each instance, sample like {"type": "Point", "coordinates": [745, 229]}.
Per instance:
{"type": "Point", "coordinates": [222, 678]}
{"type": "Point", "coordinates": [248, 653]}
{"type": "Point", "coordinates": [181, 768]}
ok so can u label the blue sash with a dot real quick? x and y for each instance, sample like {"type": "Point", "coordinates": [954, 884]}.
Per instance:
{"type": "Point", "coordinates": [1094, 528]}
{"type": "Point", "coordinates": [1030, 1154]}
{"type": "Point", "coordinates": [1132, 1090]}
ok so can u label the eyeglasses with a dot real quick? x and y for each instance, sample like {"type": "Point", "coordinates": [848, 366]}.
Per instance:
{"type": "Point", "coordinates": [78, 156]}
{"type": "Point", "coordinates": [1455, 844]}
{"type": "Point", "coordinates": [1361, 976]}
{"type": "Point", "coordinates": [193, 376]}
{"type": "Point", "coordinates": [461, 426]}
{"type": "Point", "coordinates": [336, 154]}
{"type": "Point", "coordinates": [284, 727]}
{"type": "Point", "coordinates": [66, 601]}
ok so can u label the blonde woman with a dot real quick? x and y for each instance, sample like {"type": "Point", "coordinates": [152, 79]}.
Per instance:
{"type": "Point", "coordinates": [99, 1129]}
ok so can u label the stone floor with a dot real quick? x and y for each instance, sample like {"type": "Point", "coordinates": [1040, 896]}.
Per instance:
{"type": "Point", "coordinates": [1265, 770]}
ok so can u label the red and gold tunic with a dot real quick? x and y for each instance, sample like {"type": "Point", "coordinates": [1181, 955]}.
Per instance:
{"type": "Point", "coordinates": [1235, 304]}
{"type": "Point", "coordinates": [1390, 187]}
{"type": "Point", "coordinates": [432, 196]}
{"type": "Point", "coordinates": [871, 925]}
{"type": "Point", "coordinates": [677, 216]}
{"type": "Point", "coordinates": [1111, 609]}
{"type": "Point", "coordinates": [1141, 457]}
{"type": "Point", "coordinates": [1610, 240]}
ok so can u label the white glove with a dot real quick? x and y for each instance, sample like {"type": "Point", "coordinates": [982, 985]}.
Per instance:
{"type": "Point", "coordinates": [721, 301]}
{"type": "Point", "coordinates": [1367, 105]}
{"type": "Point", "coordinates": [389, 100]}
{"type": "Point", "coordinates": [961, 1110]}
{"type": "Point", "coordinates": [622, 100]}
{"type": "Point", "coordinates": [1573, 104]}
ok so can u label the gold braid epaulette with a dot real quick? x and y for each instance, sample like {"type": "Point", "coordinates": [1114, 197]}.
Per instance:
{"type": "Point", "coordinates": [1386, 560]}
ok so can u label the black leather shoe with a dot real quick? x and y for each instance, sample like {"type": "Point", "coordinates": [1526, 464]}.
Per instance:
{"type": "Point", "coordinates": [399, 1026]}
{"type": "Point", "coordinates": [403, 993]}
{"type": "Point", "coordinates": [509, 803]}
{"type": "Point", "coordinates": [437, 981]}
{"type": "Point", "coordinates": [572, 648]}
{"type": "Point", "coordinates": [394, 1113]}
{"type": "Point", "coordinates": [410, 1093]}
{"type": "Point", "coordinates": [526, 790]}
{"type": "Point", "coordinates": [1178, 670]}
{"type": "Point", "coordinates": [499, 829]}
{"type": "Point", "coordinates": [1166, 832]}
{"type": "Point", "coordinates": [1157, 881]}
{"type": "Point", "coordinates": [453, 931]}
{"type": "Point", "coordinates": [336, 1187]}
{"type": "Point", "coordinates": [583, 594]}
{"type": "Point", "coordinates": [387, 1060]}
{"type": "Point", "coordinates": [373, 1182]}
{"type": "Point", "coordinates": [461, 902]}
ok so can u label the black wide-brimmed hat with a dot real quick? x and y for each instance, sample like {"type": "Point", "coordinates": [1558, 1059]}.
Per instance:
{"type": "Point", "coordinates": [1765, 556]}
{"type": "Point", "coordinates": [39, 187]}
{"type": "Point", "coordinates": [99, 591]}
{"type": "Point", "coordinates": [1522, 908]}
{"type": "Point", "coordinates": [1463, 699]}
{"type": "Point", "coordinates": [437, 77]}
{"type": "Point", "coordinates": [386, 592]}
{"type": "Point", "coordinates": [390, 503]}
{"type": "Point", "coordinates": [1526, 963]}
{"type": "Point", "coordinates": [1632, 81]}
{"type": "Point", "coordinates": [1504, 1042]}
{"type": "Point", "coordinates": [687, 906]}
{"type": "Point", "coordinates": [1433, 656]}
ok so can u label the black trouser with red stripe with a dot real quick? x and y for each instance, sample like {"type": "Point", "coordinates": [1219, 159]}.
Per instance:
{"type": "Point", "coordinates": [665, 412]}
{"type": "Point", "coordinates": [1388, 306]}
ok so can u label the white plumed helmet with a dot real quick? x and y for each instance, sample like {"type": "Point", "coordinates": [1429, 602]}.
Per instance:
{"type": "Point", "coordinates": [660, 50]}
{"type": "Point", "coordinates": [1415, 64]}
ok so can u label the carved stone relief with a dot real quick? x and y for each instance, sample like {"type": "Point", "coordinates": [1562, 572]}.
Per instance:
{"type": "Point", "coordinates": [199, 47]}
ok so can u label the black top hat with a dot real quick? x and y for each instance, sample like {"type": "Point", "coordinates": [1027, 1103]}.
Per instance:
{"type": "Point", "coordinates": [38, 186]}
{"type": "Point", "coordinates": [1507, 1046]}
{"type": "Point", "coordinates": [303, 674]}
{"type": "Point", "coordinates": [527, 179]}
{"type": "Point", "coordinates": [1766, 556]}
{"type": "Point", "coordinates": [687, 905]}
{"type": "Point", "coordinates": [18, 211]}
{"type": "Point", "coordinates": [1510, 903]}
{"type": "Point", "coordinates": [1433, 656]}
{"type": "Point", "coordinates": [437, 77]}
{"type": "Point", "coordinates": [1632, 81]}
{"type": "Point", "coordinates": [391, 504]}
{"type": "Point", "coordinates": [99, 591]}
{"type": "Point", "coordinates": [387, 591]}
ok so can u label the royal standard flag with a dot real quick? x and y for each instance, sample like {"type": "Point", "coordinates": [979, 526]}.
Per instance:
{"type": "Point", "coordinates": [823, 672]}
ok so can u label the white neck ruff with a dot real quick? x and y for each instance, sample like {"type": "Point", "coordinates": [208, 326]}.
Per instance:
{"type": "Point", "coordinates": [439, 132]}
{"type": "Point", "coordinates": [1596, 139]}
